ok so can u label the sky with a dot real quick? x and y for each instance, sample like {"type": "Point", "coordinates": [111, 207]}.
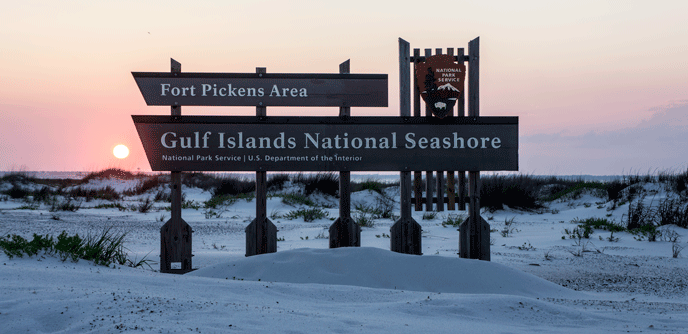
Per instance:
{"type": "Point", "coordinates": [599, 86]}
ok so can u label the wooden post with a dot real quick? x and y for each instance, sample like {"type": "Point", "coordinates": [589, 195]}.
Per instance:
{"type": "Point", "coordinates": [474, 233]}
{"type": "Point", "coordinates": [450, 174]}
{"type": "Point", "coordinates": [417, 175]}
{"type": "Point", "coordinates": [261, 233]}
{"type": "Point", "coordinates": [344, 232]}
{"type": "Point", "coordinates": [175, 235]}
{"type": "Point", "coordinates": [405, 234]}
{"type": "Point", "coordinates": [461, 112]}
{"type": "Point", "coordinates": [439, 184]}
{"type": "Point", "coordinates": [429, 179]}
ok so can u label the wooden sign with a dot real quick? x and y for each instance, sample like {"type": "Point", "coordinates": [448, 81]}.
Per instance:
{"type": "Point", "coordinates": [247, 143]}
{"type": "Point", "coordinates": [440, 82]}
{"type": "Point", "coordinates": [263, 89]}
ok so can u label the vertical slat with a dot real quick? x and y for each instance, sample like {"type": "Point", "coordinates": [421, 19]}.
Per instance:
{"type": "Point", "coordinates": [416, 90]}
{"type": "Point", "coordinates": [428, 112]}
{"type": "Point", "coordinates": [405, 111]}
{"type": "Point", "coordinates": [417, 175]}
{"type": "Point", "coordinates": [473, 77]}
{"type": "Point", "coordinates": [429, 179]}
{"type": "Point", "coordinates": [404, 82]}
{"type": "Point", "coordinates": [461, 112]}
{"type": "Point", "coordinates": [450, 174]}
{"type": "Point", "coordinates": [439, 184]}
{"type": "Point", "coordinates": [451, 194]}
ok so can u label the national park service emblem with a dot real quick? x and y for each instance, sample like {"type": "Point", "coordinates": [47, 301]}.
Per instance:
{"type": "Point", "coordinates": [440, 82]}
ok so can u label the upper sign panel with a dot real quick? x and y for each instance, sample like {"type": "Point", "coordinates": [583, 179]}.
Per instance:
{"type": "Point", "coordinates": [254, 89]}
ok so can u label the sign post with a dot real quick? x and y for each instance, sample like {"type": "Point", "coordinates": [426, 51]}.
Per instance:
{"type": "Point", "coordinates": [344, 232]}
{"type": "Point", "coordinates": [405, 234]}
{"type": "Point", "coordinates": [175, 235]}
{"type": "Point", "coordinates": [474, 238]}
{"type": "Point", "coordinates": [261, 233]}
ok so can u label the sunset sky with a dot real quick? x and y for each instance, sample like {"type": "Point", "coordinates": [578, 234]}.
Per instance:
{"type": "Point", "coordinates": [600, 87]}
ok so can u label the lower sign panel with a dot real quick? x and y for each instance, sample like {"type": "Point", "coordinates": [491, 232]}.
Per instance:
{"type": "Point", "coordinates": [206, 143]}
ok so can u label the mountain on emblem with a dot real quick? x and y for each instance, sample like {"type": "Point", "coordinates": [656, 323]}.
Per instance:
{"type": "Point", "coordinates": [449, 87]}
{"type": "Point", "coordinates": [440, 80]}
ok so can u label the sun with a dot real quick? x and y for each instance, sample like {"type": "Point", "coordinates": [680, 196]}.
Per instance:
{"type": "Point", "coordinates": [120, 151]}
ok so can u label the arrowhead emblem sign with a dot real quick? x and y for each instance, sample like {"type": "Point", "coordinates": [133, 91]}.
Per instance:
{"type": "Point", "coordinates": [440, 82]}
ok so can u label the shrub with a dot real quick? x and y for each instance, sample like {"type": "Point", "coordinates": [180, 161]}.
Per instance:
{"type": "Point", "coordinates": [18, 177]}
{"type": "Point", "coordinates": [294, 199]}
{"type": "Point", "coordinates": [638, 215]}
{"type": "Point", "coordinates": [200, 180]}
{"type": "Point", "coordinates": [509, 228]}
{"type": "Point", "coordinates": [216, 201]}
{"type": "Point", "coordinates": [234, 186]}
{"type": "Point", "coordinates": [16, 245]}
{"type": "Point", "coordinates": [576, 190]}
{"type": "Point", "coordinates": [145, 205]}
{"type": "Point", "coordinates": [117, 206]}
{"type": "Point", "coordinates": [106, 193]}
{"type": "Point", "coordinates": [163, 196]}
{"type": "Point", "coordinates": [453, 220]}
{"type": "Point", "coordinates": [614, 189]}
{"type": "Point", "coordinates": [109, 173]}
{"type": "Point", "coordinates": [17, 192]}
{"type": "Point", "coordinates": [363, 219]}
{"type": "Point", "coordinates": [67, 204]}
{"type": "Point", "coordinates": [276, 182]}
{"type": "Point", "coordinates": [384, 208]}
{"type": "Point", "coordinates": [517, 191]}
{"type": "Point", "coordinates": [143, 187]}
{"type": "Point", "coordinates": [43, 195]}
{"type": "Point", "coordinates": [672, 211]}
{"type": "Point", "coordinates": [308, 215]}
{"type": "Point", "coordinates": [369, 184]}
{"type": "Point", "coordinates": [579, 232]}
{"type": "Point", "coordinates": [429, 215]}
{"type": "Point", "coordinates": [326, 183]}
{"type": "Point", "coordinates": [103, 249]}
{"type": "Point", "coordinates": [600, 224]}
{"type": "Point", "coordinates": [676, 182]}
